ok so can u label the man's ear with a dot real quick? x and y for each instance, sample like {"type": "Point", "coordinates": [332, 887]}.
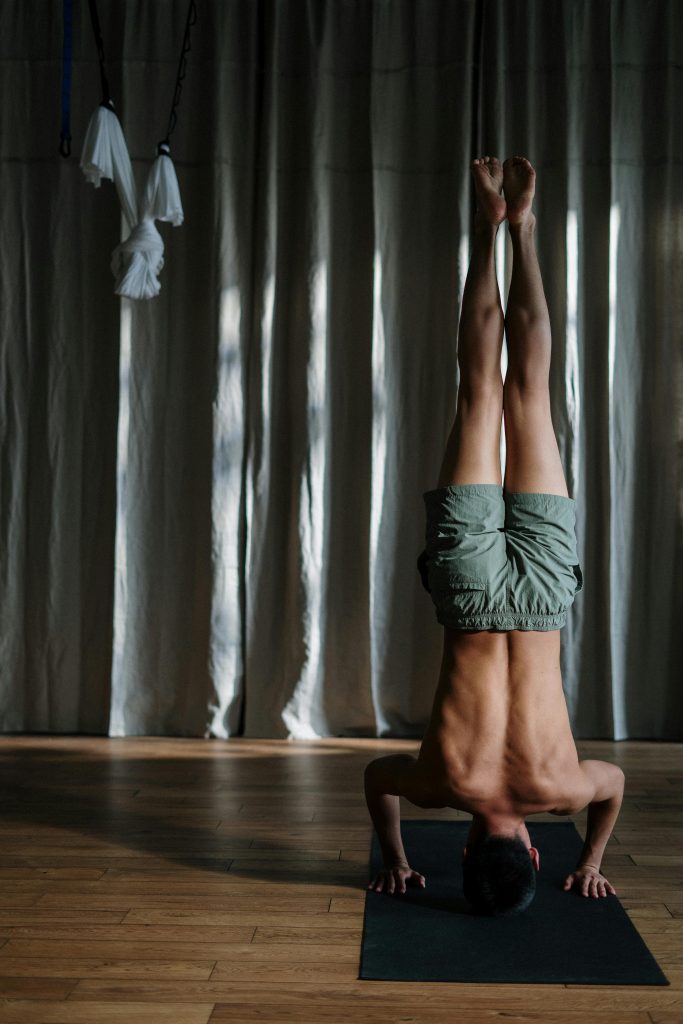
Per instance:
{"type": "Point", "coordinates": [535, 856]}
{"type": "Point", "coordinates": [464, 852]}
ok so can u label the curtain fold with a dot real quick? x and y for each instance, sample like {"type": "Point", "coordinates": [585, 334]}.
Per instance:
{"type": "Point", "coordinates": [211, 501]}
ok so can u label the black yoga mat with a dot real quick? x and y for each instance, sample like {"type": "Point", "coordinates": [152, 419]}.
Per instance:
{"type": "Point", "coordinates": [563, 937]}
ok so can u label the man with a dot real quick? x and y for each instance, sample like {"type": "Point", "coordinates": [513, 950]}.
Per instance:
{"type": "Point", "coordinates": [502, 568]}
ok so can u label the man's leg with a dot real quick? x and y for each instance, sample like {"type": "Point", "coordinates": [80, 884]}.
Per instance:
{"type": "Point", "coordinates": [532, 457]}
{"type": "Point", "coordinates": [473, 449]}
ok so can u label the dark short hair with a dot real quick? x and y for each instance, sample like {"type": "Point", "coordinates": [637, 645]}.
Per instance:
{"type": "Point", "coordinates": [498, 876]}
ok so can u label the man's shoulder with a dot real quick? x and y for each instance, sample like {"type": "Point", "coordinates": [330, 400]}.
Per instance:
{"type": "Point", "coordinates": [575, 791]}
{"type": "Point", "coordinates": [604, 777]}
{"type": "Point", "coordinates": [591, 781]}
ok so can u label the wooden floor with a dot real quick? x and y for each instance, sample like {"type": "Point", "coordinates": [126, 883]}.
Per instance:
{"type": "Point", "coordinates": [188, 881]}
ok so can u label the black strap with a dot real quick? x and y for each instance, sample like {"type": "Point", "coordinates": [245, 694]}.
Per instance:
{"type": "Point", "coordinates": [106, 99]}
{"type": "Point", "coordinates": [191, 19]}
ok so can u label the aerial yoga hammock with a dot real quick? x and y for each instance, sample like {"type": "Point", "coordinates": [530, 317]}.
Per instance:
{"type": "Point", "coordinates": [137, 261]}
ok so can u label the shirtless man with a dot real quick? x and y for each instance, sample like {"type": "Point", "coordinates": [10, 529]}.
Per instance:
{"type": "Point", "coordinates": [502, 569]}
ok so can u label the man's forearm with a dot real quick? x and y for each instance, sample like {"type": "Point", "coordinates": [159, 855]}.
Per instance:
{"type": "Point", "coordinates": [601, 819]}
{"type": "Point", "coordinates": [385, 812]}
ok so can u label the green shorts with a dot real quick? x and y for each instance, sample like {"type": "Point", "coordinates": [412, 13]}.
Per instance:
{"type": "Point", "coordinates": [500, 560]}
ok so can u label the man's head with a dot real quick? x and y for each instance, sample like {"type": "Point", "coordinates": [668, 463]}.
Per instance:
{"type": "Point", "coordinates": [499, 874]}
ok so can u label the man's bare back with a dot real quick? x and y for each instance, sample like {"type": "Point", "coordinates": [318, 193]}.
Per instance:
{"type": "Point", "coordinates": [499, 732]}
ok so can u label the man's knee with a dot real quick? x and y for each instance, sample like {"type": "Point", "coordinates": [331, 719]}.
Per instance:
{"type": "Point", "coordinates": [481, 388]}
{"type": "Point", "coordinates": [525, 387]}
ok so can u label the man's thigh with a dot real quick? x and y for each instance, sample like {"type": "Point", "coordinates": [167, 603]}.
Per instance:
{"type": "Point", "coordinates": [532, 457]}
{"type": "Point", "coordinates": [472, 453]}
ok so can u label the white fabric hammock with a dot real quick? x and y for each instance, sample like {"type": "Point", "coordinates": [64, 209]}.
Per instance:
{"type": "Point", "coordinates": [137, 261]}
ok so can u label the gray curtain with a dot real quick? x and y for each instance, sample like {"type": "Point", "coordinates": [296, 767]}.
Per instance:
{"type": "Point", "coordinates": [211, 501]}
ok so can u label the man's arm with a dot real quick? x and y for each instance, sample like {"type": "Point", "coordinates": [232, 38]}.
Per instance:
{"type": "Point", "coordinates": [387, 778]}
{"type": "Point", "coordinates": [382, 790]}
{"type": "Point", "coordinates": [607, 784]}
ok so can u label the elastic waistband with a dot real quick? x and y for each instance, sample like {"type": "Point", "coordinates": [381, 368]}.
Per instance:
{"type": "Point", "coordinates": [485, 489]}
{"type": "Point", "coordinates": [536, 498]}
{"type": "Point", "coordinates": [489, 490]}
{"type": "Point", "coordinates": [503, 620]}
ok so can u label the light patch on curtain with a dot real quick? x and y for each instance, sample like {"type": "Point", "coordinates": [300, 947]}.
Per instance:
{"type": "Point", "coordinates": [572, 383]}
{"type": "Point", "coordinates": [379, 452]}
{"type": "Point", "coordinates": [616, 591]}
{"type": "Point", "coordinates": [463, 263]}
{"type": "Point", "coordinates": [226, 663]}
{"type": "Point", "coordinates": [267, 321]}
{"type": "Point", "coordinates": [298, 712]}
{"type": "Point", "coordinates": [614, 221]}
{"type": "Point", "coordinates": [257, 469]}
{"type": "Point", "coordinates": [116, 716]}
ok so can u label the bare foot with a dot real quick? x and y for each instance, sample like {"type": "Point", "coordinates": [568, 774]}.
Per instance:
{"type": "Point", "coordinates": [488, 181]}
{"type": "Point", "coordinates": [519, 185]}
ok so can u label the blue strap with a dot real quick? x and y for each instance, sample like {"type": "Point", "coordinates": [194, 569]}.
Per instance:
{"type": "Point", "coordinates": [65, 136]}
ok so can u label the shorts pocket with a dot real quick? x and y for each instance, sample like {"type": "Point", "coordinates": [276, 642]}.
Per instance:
{"type": "Point", "coordinates": [459, 581]}
{"type": "Point", "coordinates": [443, 577]}
{"type": "Point", "coordinates": [456, 594]}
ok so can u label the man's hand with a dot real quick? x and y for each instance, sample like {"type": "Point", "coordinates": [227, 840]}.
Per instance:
{"type": "Point", "coordinates": [588, 880]}
{"type": "Point", "coordinates": [396, 876]}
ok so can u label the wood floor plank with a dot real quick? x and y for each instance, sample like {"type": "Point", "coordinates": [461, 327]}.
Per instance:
{"type": "Point", "coordinates": [44, 1012]}
{"type": "Point", "coordinates": [315, 1014]}
{"type": "Point", "coordinates": [657, 860]}
{"type": "Point", "coordinates": [282, 973]}
{"type": "Point", "coordinates": [356, 997]}
{"type": "Point", "coordinates": [65, 967]}
{"type": "Point", "coordinates": [351, 905]}
{"type": "Point", "coordinates": [36, 988]}
{"type": "Point", "coordinates": [51, 872]}
{"type": "Point", "coordinates": [236, 887]}
{"type": "Point", "coordinates": [65, 915]}
{"type": "Point", "coordinates": [164, 949]}
{"type": "Point", "coordinates": [638, 909]}
{"type": "Point", "coordinates": [209, 885]}
{"type": "Point", "coordinates": [111, 865]}
{"type": "Point", "coordinates": [333, 868]}
{"type": "Point", "coordinates": [207, 918]}
{"type": "Point", "coordinates": [237, 939]}
{"type": "Point", "coordinates": [303, 934]}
